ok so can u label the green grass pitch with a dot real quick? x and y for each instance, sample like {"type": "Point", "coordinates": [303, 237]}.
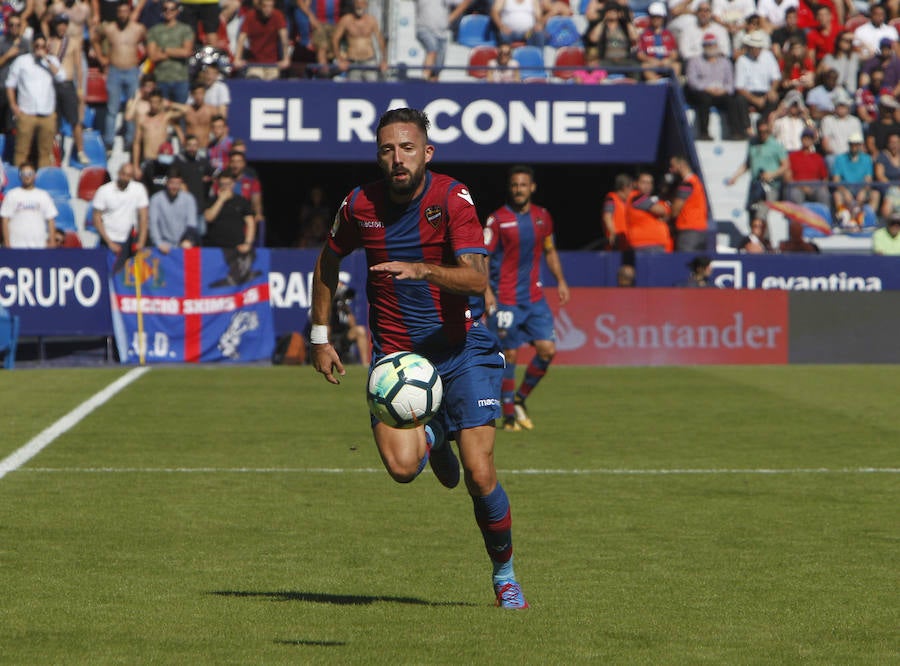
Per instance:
{"type": "Point", "coordinates": [726, 515]}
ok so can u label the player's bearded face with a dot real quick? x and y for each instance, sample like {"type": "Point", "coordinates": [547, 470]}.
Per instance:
{"type": "Point", "coordinates": [402, 156]}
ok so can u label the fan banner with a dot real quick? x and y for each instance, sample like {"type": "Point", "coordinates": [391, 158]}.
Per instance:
{"type": "Point", "coordinates": [197, 305]}
{"type": "Point", "coordinates": [668, 327]}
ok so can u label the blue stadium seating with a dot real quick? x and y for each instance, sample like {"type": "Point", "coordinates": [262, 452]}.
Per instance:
{"type": "Point", "coordinates": [561, 31]}
{"type": "Point", "coordinates": [95, 150]}
{"type": "Point", "coordinates": [12, 177]}
{"type": "Point", "coordinates": [65, 220]}
{"type": "Point", "coordinates": [53, 179]}
{"type": "Point", "coordinates": [531, 63]}
{"type": "Point", "coordinates": [476, 30]}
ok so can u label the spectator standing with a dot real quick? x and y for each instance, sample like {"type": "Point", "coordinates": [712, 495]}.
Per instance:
{"type": "Point", "coordinates": [504, 68]}
{"type": "Point", "coordinates": [12, 45]}
{"type": "Point", "coordinates": [196, 171]}
{"type": "Point", "coordinates": [203, 13]}
{"type": "Point", "coordinates": [120, 211]}
{"type": "Point", "coordinates": [69, 91]}
{"type": "Point", "coordinates": [229, 218]}
{"type": "Point", "coordinates": [434, 19]}
{"type": "Point", "coordinates": [844, 60]}
{"type": "Point", "coordinates": [197, 116]}
{"type": "Point", "coordinates": [31, 92]}
{"type": "Point", "coordinates": [152, 131]}
{"type": "Point", "coordinates": [690, 209]}
{"type": "Point", "coordinates": [808, 165]}
{"type": "Point", "coordinates": [28, 214]}
{"type": "Point", "coordinates": [519, 21]}
{"type": "Point", "coordinates": [789, 120]}
{"type": "Point", "coordinates": [220, 143]}
{"type": "Point", "coordinates": [321, 17]}
{"type": "Point", "coordinates": [173, 216]}
{"type": "Point", "coordinates": [657, 46]}
{"type": "Point", "coordinates": [710, 84]}
{"type": "Point", "coordinates": [139, 105]}
{"type": "Point", "coordinates": [361, 32]}
{"type": "Point", "coordinates": [125, 38]}
{"type": "Point", "coordinates": [262, 44]}
{"type": "Point", "coordinates": [869, 35]}
{"type": "Point", "coordinates": [646, 218]}
{"type": "Point", "coordinates": [169, 45]}
{"type": "Point", "coordinates": [517, 236]}
{"type": "Point", "coordinates": [615, 213]}
{"type": "Point", "coordinates": [756, 79]}
{"type": "Point", "coordinates": [886, 239]}
{"type": "Point", "coordinates": [854, 171]}
{"type": "Point", "coordinates": [691, 37]}
{"type": "Point", "coordinates": [767, 162]}
{"type": "Point", "coordinates": [839, 127]}
{"type": "Point", "coordinates": [246, 183]}
{"type": "Point", "coordinates": [217, 94]}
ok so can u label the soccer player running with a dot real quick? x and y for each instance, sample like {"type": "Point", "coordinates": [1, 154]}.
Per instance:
{"type": "Point", "coordinates": [516, 236]}
{"type": "Point", "coordinates": [427, 276]}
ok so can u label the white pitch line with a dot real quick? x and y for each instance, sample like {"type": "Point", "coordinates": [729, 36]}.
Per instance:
{"type": "Point", "coordinates": [523, 472]}
{"type": "Point", "coordinates": [43, 439]}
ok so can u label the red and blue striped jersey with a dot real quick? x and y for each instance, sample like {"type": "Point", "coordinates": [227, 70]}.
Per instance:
{"type": "Point", "coordinates": [436, 227]}
{"type": "Point", "coordinates": [516, 242]}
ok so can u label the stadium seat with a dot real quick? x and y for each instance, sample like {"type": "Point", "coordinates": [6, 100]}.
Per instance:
{"type": "Point", "coordinates": [479, 57]}
{"type": "Point", "coordinates": [821, 210]}
{"type": "Point", "coordinates": [531, 63]}
{"type": "Point", "coordinates": [72, 241]}
{"type": "Point", "coordinates": [96, 87]}
{"type": "Point", "coordinates": [9, 338]}
{"type": "Point", "coordinates": [95, 150]}
{"type": "Point", "coordinates": [568, 56]}
{"type": "Point", "coordinates": [561, 31]}
{"type": "Point", "coordinates": [53, 179]}
{"type": "Point", "coordinates": [90, 181]}
{"type": "Point", "coordinates": [12, 177]}
{"type": "Point", "coordinates": [855, 21]}
{"type": "Point", "coordinates": [66, 218]}
{"type": "Point", "coordinates": [89, 117]}
{"type": "Point", "coordinates": [476, 30]}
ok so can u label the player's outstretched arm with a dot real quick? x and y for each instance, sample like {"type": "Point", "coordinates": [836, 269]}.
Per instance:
{"type": "Point", "coordinates": [468, 277]}
{"type": "Point", "coordinates": [325, 279]}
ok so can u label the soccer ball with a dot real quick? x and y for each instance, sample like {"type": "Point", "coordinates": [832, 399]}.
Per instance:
{"type": "Point", "coordinates": [404, 390]}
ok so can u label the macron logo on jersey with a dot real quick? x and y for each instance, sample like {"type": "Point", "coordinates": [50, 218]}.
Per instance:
{"type": "Point", "coordinates": [465, 196]}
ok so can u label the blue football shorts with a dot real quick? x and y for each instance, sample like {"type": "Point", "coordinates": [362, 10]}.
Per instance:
{"type": "Point", "coordinates": [471, 377]}
{"type": "Point", "coordinates": [517, 325]}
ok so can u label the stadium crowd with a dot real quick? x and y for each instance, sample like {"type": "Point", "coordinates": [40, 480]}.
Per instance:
{"type": "Point", "coordinates": [812, 88]}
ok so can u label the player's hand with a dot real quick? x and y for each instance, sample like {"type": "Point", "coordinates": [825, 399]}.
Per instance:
{"type": "Point", "coordinates": [563, 290]}
{"type": "Point", "coordinates": [327, 361]}
{"type": "Point", "coordinates": [401, 270]}
{"type": "Point", "coordinates": [490, 303]}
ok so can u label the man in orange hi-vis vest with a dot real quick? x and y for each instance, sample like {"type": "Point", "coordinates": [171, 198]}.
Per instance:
{"type": "Point", "coordinates": [615, 214]}
{"type": "Point", "coordinates": [646, 216]}
{"type": "Point", "coordinates": [689, 208]}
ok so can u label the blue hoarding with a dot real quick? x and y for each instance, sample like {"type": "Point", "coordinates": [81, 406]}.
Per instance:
{"type": "Point", "coordinates": [313, 121]}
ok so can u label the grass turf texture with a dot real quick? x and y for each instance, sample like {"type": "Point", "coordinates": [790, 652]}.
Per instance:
{"type": "Point", "coordinates": [301, 566]}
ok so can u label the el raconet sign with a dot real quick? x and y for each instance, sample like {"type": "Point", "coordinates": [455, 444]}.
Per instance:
{"type": "Point", "coordinates": [314, 121]}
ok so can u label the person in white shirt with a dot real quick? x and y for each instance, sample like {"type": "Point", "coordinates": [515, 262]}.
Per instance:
{"type": "Point", "coordinates": [772, 12]}
{"type": "Point", "coordinates": [756, 78]}
{"type": "Point", "coordinates": [693, 28]}
{"type": "Point", "coordinates": [28, 214]}
{"type": "Point", "coordinates": [868, 36]}
{"type": "Point", "coordinates": [32, 100]}
{"type": "Point", "coordinates": [119, 208]}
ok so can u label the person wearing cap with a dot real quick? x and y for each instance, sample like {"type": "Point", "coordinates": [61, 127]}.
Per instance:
{"type": "Point", "coordinates": [789, 120]}
{"type": "Point", "coordinates": [752, 24]}
{"type": "Point", "coordinates": [855, 173]}
{"type": "Point", "coordinates": [886, 239]}
{"type": "Point", "coordinates": [809, 168]}
{"type": "Point", "coordinates": [693, 28]}
{"type": "Point", "coordinates": [756, 78]}
{"type": "Point", "coordinates": [869, 35]}
{"type": "Point", "coordinates": [710, 83]}
{"type": "Point", "coordinates": [657, 46]}
{"type": "Point", "coordinates": [845, 61]}
{"type": "Point", "coordinates": [837, 128]}
{"type": "Point", "coordinates": [819, 99]}
{"type": "Point", "coordinates": [878, 132]}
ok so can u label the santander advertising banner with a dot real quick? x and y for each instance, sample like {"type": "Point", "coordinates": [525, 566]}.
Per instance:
{"type": "Point", "coordinates": [669, 327]}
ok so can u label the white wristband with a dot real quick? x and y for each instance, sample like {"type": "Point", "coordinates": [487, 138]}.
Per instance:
{"type": "Point", "coordinates": [318, 334]}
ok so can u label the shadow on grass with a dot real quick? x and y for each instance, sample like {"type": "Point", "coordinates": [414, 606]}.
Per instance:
{"type": "Point", "coordinates": [337, 599]}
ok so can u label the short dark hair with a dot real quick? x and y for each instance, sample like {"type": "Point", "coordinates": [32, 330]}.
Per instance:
{"type": "Point", "coordinates": [197, 84]}
{"type": "Point", "coordinates": [173, 172]}
{"type": "Point", "coordinates": [216, 117]}
{"type": "Point", "coordinates": [224, 173]}
{"type": "Point", "coordinates": [405, 115]}
{"type": "Point", "coordinates": [27, 163]}
{"type": "Point", "coordinates": [156, 92]}
{"type": "Point", "coordinates": [190, 136]}
{"type": "Point", "coordinates": [622, 181]}
{"type": "Point", "coordinates": [233, 152]}
{"type": "Point", "coordinates": [520, 168]}
{"type": "Point", "coordinates": [149, 77]}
